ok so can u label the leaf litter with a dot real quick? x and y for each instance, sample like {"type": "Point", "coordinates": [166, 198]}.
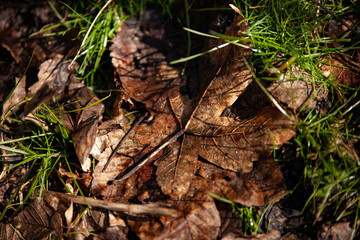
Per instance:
{"type": "Point", "coordinates": [210, 153]}
{"type": "Point", "coordinates": [79, 107]}
{"type": "Point", "coordinates": [213, 153]}
{"type": "Point", "coordinates": [37, 221]}
{"type": "Point", "coordinates": [187, 148]}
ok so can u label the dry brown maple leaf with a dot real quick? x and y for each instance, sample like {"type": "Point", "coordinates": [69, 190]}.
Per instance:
{"type": "Point", "coordinates": [229, 145]}
{"type": "Point", "coordinates": [220, 140]}
{"type": "Point", "coordinates": [215, 153]}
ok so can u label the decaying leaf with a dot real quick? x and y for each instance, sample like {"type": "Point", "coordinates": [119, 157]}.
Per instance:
{"type": "Point", "coordinates": [108, 225]}
{"type": "Point", "coordinates": [10, 180]}
{"type": "Point", "coordinates": [337, 30]}
{"type": "Point", "coordinates": [53, 77]}
{"type": "Point", "coordinates": [113, 232]}
{"type": "Point", "coordinates": [135, 146]}
{"type": "Point", "coordinates": [19, 46]}
{"type": "Point", "coordinates": [84, 139]}
{"type": "Point", "coordinates": [7, 232]}
{"type": "Point", "coordinates": [82, 118]}
{"type": "Point", "coordinates": [117, 229]}
{"type": "Point", "coordinates": [201, 220]}
{"type": "Point", "coordinates": [80, 109]}
{"type": "Point", "coordinates": [18, 95]}
{"type": "Point", "coordinates": [8, 35]}
{"type": "Point", "coordinates": [220, 140]}
{"type": "Point", "coordinates": [9, 71]}
{"type": "Point", "coordinates": [197, 220]}
{"type": "Point", "coordinates": [101, 151]}
{"type": "Point", "coordinates": [345, 70]}
{"type": "Point", "coordinates": [40, 219]}
{"type": "Point", "coordinates": [140, 54]}
{"type": "Point", "coordinates": [298, 94]}
{"type": "Point", "coordinates": [344, 67]}
{"type": "Point", "coordinates": [230, 220]}
{"type": "Point", "coordinates": [340, 230]}
{"type": "Point", "coordinates": [91, 221]}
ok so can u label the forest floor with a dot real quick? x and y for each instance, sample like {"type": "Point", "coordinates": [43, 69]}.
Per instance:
{"type": "Point", "coordinates": [186, 119]}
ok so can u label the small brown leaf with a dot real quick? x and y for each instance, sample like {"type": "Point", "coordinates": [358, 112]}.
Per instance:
{"type": "Point", "coordinates": [82, 107]}
{"type": "Point", "coordinates": [337, 29]}
{"type": "Point", "coordinates": [10, 180]}
{"type": "Point", "coordinates": [263, 184]}
{"type": "Point", "coordinates": [91, 221]}
{"type": "Point", "coordinates": [102, 150]}
{"type": "Point", "coordinates": [53, 78]}
{"type": "Point", "coordinates": [140, 141]}
{"type": "Point", "coordinates": [127, 155]}
{"type": "Point", "coordinates": [339, 230]}
{"type": "Point", "coordinates": [8, 42]}
{"type": "Point", "coordinates": [38, 220]}
{"type": "Point", "coordinates": [8, 232]}
{"type": "Point", "coordinates": [296, 94]}
{"type": "Point", "coordinates": [196, 220]}
{"type": "Point", "coordinates": [18, 95]}
{"type": "Point", "coordinates": [200, 220]}
{"type": "Point", "coordinates": [345, 70]}
{"type": "Point", "coordinates": [157, 130]}
{"type": "Point", "coordinates": [231, 221]}
{"type": "Point", "coordinates": [84, 140]}
{"type": "Point", "coordinates": [82, 119]}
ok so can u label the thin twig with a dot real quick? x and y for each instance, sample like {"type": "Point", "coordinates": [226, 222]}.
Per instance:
{"type": "Point", "coordinates": [122, 139]}
{"type": "Point", "coordinates": [151, 208]}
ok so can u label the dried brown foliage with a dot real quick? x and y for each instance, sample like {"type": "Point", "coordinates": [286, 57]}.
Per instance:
{"type": "Point", "coordinates": [213, 152]}
{"type": "Point", "coordinates": [140, 54]}
{"type": "Point", "coordinates": [43, 217]}
{"type": "Point", "coordinates": [188, 147]}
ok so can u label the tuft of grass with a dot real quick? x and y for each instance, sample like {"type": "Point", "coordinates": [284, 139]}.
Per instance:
{"type": "Point", "coordinates": [279, 31]}
{"type": "Point", "coordinates": [39, 152]}
{"type": "Point", "coordinates": [95, 33]}
{"type": "Point", "coordinates": [330, 165]}
{"type": "Point", "coordinates": [249, 215]}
